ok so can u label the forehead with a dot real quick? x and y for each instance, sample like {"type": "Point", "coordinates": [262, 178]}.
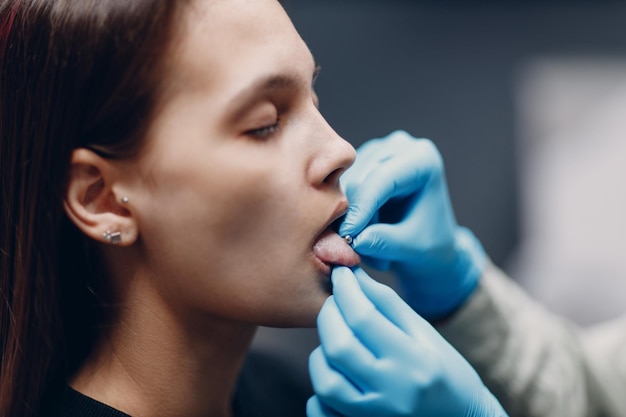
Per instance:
{"type": "Point", "coordinates": [226, 43]}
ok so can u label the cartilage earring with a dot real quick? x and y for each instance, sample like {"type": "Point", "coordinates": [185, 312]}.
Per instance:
{"type": "Point", "coordinates": [348, 239]}
{"type": "Point", "coordinates": [112, 237]}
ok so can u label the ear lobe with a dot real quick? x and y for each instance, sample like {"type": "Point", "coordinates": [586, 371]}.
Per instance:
{"type": "Point", "coordinates": [91, 203]}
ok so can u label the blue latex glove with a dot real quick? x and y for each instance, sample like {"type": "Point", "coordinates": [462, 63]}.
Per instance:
{"type": "Point", "coordinates": [400, 217]}
{"type": "Point", "coordinates": [379, 358]}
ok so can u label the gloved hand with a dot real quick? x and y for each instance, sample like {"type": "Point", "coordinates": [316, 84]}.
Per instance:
{"type": "Point", "coordinates": [400, 217]}
{"type": "Point", "coordinates": [379, 358]}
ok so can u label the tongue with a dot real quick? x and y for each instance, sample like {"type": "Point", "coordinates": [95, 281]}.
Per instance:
{"type": "Point", "coordinates": [334, 250]}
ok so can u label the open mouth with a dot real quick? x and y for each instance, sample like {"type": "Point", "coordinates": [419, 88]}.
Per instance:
{"type": "Point", "coordinates": [331, 249]}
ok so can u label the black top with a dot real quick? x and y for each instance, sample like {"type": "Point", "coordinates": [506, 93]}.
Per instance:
{"type": "Point", "coordinates": [74, 404]}
{"type": "Point", "coordinates": [267, 387]}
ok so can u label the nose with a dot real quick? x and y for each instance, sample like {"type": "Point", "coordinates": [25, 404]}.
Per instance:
{"type": "Point", "coordinates": [333, 155]}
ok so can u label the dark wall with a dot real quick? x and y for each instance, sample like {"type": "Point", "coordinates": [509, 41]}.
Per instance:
{"type": "Point", "coordinates": [446, 70]}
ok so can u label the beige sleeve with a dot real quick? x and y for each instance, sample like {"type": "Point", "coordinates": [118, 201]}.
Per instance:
{"type": "Point", "coordinates": [535, 362]}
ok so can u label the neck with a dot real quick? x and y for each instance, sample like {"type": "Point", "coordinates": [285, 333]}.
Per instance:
{"type": "Point", "coordinates": [152, 362]}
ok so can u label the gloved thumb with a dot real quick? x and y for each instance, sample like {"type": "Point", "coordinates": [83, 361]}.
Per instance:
{"type": "Point", "coordinates": [389, 303]}
{"type": "Point", "coordinates": [314, 408]}
{"type": "Point", "coordinates": [380, 240]}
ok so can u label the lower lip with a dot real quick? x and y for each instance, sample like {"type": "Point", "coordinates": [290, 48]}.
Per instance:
{"type": "Point", "coordinates": [322, 266]}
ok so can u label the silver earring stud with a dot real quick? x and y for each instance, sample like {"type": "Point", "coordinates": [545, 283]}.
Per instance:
{"type": "Point", "coordinates": [125, 200]}
{"type": "Point", "coordinates": [348, 239]}
{"type": "Point", "coordinates": [112, 237]}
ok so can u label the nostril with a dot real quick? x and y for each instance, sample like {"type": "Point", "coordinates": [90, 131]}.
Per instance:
{"type": "Point", "coordinates": [333, 177]}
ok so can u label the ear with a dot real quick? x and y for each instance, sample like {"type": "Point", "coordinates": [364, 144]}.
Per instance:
{"type": "Point", "coordinates": [95, 201]}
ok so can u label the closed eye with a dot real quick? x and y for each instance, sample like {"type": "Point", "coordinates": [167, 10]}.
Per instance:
{"type": "Point", "coordinates": [264, 131]}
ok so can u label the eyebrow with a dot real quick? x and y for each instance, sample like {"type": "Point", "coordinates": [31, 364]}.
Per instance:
{"type": "Point", "coordinates": [281, 81]}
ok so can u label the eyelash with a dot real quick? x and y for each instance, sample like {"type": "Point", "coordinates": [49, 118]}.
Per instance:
{"type": "Point", "coordinates": [265, 131]}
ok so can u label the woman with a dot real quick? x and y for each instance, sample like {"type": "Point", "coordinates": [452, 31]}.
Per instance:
{"type": "Point", "coordinates": [168, 184]}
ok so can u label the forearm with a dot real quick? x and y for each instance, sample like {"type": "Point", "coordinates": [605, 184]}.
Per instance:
{"type": "Point", "coordinates": [536, 363]}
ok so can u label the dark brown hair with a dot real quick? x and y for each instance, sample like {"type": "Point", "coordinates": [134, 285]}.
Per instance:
{"type": "Point", "coordinates": [73, 73]}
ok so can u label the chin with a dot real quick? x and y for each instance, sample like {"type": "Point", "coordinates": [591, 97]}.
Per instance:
{"type": "Point", "coordinates": [302, 321]}
{"type": "Point", "coordinates": [303, 314]}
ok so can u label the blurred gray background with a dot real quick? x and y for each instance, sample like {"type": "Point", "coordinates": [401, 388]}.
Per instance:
{"type": "Point", "coordinates": [506, 89]}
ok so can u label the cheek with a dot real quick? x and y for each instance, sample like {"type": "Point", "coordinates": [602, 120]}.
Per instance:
{"type": "Point", "coordinates": [252, 211]}
{"type": "Point", "coordinates": [225, 216]}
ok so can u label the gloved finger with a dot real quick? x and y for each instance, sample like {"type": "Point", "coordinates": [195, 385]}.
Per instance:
{"type": "Point", "coordinates": [334, 391]}
{"type": "Point", "coordinates": [380, 149]}
{"type": "Point", "coordinates": [368, 156]}
{"type": "Point", "coordinates": [383, 241]}
{"type": "Point", "coordinates": [423, 220]}
{"type": "Point", "coordinates": [374, 152]}
{"type": "Point", "coordinates": [314, 408]}
{"type": "Point", "coordinates": [414, 163]}
{"type": "Point", "coordinates": [365, 161]}
{"type": "Point", "coordinates": [331, 385]}
{"type": "Point", "coordinates": [396, 178]}
{"type": "Point", "coordinates": [377, 263]}
{"type": "Point", "coordinates": [373, 192]}
{"type": "Point", "coordinates": [391, 305]}
{"type": "Point", "coordinates": [341, 348]}
{"type": "Point", "coordinates": [366, 322]}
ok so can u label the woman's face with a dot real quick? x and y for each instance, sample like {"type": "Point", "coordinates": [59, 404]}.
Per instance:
{"type": "Point", "coordinates": [239, 176]}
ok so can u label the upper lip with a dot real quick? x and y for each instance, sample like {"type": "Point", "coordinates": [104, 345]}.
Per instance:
{"type": "Point", "coordinates": [340, 210]}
